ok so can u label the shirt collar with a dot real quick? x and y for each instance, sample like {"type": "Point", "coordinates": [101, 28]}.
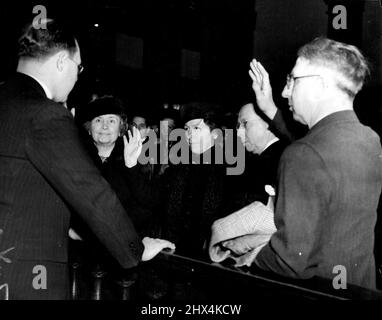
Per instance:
{"type": "Point", "coordinates": [270, 143]}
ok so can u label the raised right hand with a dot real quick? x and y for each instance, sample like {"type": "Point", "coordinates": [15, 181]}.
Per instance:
{"type": "Point", "coordinates": [262, 88]}
{"type": "Point", "coordinates": [132, 148]}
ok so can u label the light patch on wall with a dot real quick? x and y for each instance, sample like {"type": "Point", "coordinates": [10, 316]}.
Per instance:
{"type": "Point", "coordinates": [190, 64]}
{"type": "Point", "coordinates": [129, 51]}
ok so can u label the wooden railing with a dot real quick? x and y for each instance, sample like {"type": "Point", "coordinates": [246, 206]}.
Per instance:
{"type": "Point", "coordinates": [173, 278]}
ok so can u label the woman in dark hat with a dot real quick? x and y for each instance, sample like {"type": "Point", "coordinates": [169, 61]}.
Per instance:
{"type": "Point", "coordinates": [105, 123]}
{"type": "Point", "coordinates": [197, 190]}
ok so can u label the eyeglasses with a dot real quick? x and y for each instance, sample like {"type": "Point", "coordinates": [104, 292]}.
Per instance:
{"type": "Point", "coordinates": [80, 67]}
{"type": "Point", "coordinates": [291, 79]}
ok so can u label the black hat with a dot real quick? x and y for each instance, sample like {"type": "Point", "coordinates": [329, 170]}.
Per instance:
{"type": "Point", "coordinates": [101, 106]}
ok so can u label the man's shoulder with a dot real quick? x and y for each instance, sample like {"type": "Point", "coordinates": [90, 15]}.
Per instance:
{"type": "Point", "coordinates": [299, 147]}
{"type": "Point", "coordinates": [24, 95]}
{"type": "Point", "coordinates": [339, 140]}
{"type": "Point", "coordinates": [343, 134]}
{"type": "Point", "coordinates": [305, 152]}
{"type": "Point", "coordinates": [368, 133]}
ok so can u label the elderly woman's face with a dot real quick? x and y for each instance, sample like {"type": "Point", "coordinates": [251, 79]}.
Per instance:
{"type": "Point", "coordinates": [105, 129]}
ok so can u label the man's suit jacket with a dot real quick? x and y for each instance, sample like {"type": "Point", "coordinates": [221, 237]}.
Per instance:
{"type": "Point", "coordinates": [328, 191]}
{"type": "Point", "coordinates": [265, 170]}
{"type": "Point", "coordinates": [286, 128]}
{"type": "Point", "coordinates": [260, 170]}
{"type": "Point", "coordinates": [197, 196]}
{"type": "Point", "coordinates": [45, 172]}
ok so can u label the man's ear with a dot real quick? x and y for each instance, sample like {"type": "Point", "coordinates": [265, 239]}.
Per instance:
{"type": "Point", "coordinates": [320, 88]}
{"type": "Point", "coordinates": [60, 57]}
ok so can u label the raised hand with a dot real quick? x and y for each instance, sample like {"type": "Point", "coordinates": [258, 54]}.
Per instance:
{"type": "Point", "coordinates": [154, 246]}
{"type": "Point", "coordinates": [262, 88]}
{"type": "Point", "coordinates": [133, 148]}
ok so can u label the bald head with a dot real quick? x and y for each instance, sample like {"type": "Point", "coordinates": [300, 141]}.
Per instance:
{"type": "Point", "coordinates": [253, 131]}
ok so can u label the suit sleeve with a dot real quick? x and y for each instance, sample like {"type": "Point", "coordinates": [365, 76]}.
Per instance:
{"type": "Point", "coordinates": [279, 126]}
{"type": "Point", "coordinates": [302, 201]}
{"type": "Point", "coordinates": [54, 149]}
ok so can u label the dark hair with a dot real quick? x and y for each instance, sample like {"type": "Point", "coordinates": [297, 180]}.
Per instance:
{"type": "Point", "coordinates": [344, 58]}
{"type": "Point", "coordinates": [207, 111]}
{"type": "Point", "coordinates": [171, 114]}
{"type": "Point", "coordinates": [46, 41]}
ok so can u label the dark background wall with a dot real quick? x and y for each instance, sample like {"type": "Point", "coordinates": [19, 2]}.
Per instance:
{"type": "Point", "coordinates": [171, 51]}
{"type": "Point", "coordinates": [283, 26]}
{"type": "Point", "coordinates": [277, 38]}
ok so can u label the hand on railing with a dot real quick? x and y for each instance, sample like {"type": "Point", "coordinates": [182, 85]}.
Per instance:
{"type": "Point", "coordinates": [74, 235]}
{"type": "Point", "coordinates": [154, 246]}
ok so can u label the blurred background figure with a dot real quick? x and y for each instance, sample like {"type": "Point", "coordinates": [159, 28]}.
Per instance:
{"type": "Point", "coordinates": [139, 121]}
{"type": "Point", "coordinates": [168, 121]}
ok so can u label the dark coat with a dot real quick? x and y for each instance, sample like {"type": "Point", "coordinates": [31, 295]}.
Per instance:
{"type": "Point", "coordinates": [44, 173]}
{"type": "Point", "coordinates": [139, 195]}
{"type": "Point", "coordinates": [260, 170]}
{"type": "Point", "coordinates": [197, 196]}
{"type": "Point", "coordinates": [286, 128]}
{"type": "Point", "coordinates": [327, 197]}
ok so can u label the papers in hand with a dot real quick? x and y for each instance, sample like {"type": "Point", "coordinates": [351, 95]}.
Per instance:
{"type": "Point", "coordinates": [255, 219]}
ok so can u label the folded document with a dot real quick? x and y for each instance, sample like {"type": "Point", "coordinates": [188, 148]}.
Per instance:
{"type": "Point", "coordinates": [255, 219]}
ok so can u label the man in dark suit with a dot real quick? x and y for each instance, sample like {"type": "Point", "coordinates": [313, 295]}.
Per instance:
{"type": "Point", "coordinates": [265, 148]}
{"type": "Point", "coordinates": [260, 170]}
{"type": "Point", "coordinates": [45, 172]}
{"type": "Point", "coordinates": [329, 182]}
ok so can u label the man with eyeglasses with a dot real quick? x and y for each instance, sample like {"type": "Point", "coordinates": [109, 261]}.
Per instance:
{"type": "Point", "coordinates": [45, 173]}
{"type": "Point", "coordinates": [329, 181]}
{"type": "Point", "coordinates": [264, 151]}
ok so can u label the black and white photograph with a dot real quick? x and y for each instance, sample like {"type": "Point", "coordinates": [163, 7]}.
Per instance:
{"type": "Point", "coordinates": [191, 157]}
